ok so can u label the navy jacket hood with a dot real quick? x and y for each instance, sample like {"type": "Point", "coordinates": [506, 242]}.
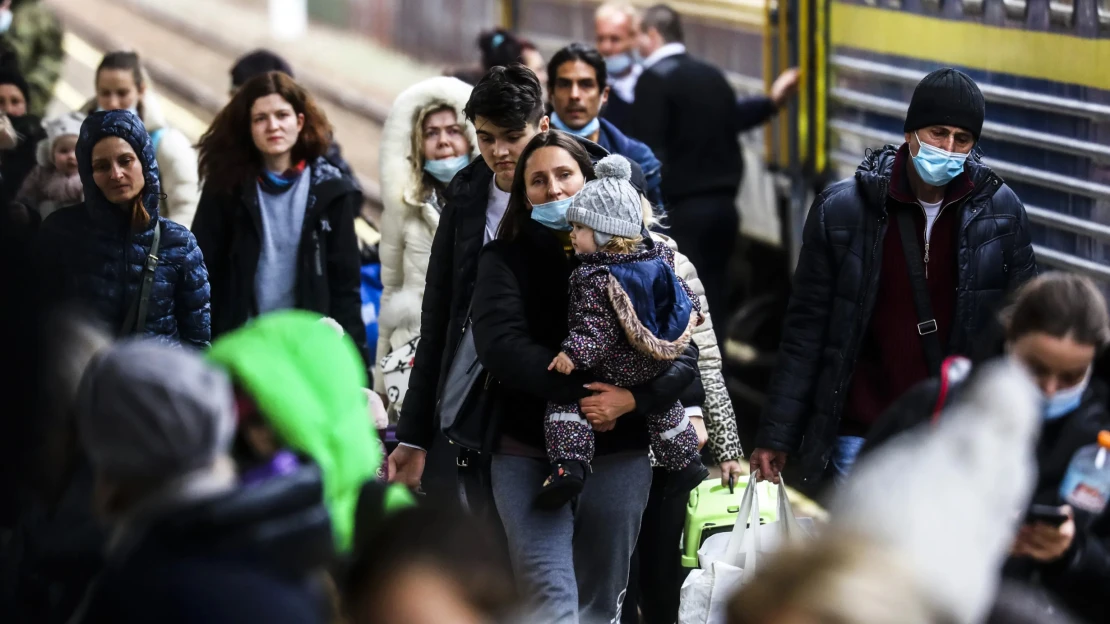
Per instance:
{"type": "Point", "coordinates": [127, 126]}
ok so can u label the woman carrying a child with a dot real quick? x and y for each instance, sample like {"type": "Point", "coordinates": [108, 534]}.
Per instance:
{"type": "Point", "coordinates": [573, 559]}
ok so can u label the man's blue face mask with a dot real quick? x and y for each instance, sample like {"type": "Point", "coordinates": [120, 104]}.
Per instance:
{"type": "Point", "coordinates": [618, 64]}
{"type": "Point", "coordinates": [937, 167]}
{"type": "Point", "coordinates": [585, 131]}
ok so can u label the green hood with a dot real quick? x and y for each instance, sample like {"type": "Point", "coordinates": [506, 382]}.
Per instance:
{"type": "Point", "coordinates": [308, 381]}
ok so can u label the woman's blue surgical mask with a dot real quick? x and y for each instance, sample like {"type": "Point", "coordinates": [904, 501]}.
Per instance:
{"type": "Point", "coordinates": [584, 132]}
{"type": "Point", "coordinates": [937, 167]}
{"type": "Point", "coordinates": [619, 63]}
{"type": "Point", "coordinates": [445, 168]}
{"type": "Point", "coordinates": [553, 215]}
{"type": "Point", "coordinates": [1067, 400]}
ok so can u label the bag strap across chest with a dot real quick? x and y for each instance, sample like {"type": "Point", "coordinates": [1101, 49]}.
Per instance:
{"type": "Point", "coordinates": [135, 321]}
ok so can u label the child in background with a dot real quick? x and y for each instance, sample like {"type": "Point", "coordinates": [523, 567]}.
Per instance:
{"type": "Point", "coordinates": [630, 316]}
{"type": "Point", "coordinates": [54, 182]}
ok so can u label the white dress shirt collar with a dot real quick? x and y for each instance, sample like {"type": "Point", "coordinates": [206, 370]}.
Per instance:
{"type": "Point", "coordinates": [671, 49]}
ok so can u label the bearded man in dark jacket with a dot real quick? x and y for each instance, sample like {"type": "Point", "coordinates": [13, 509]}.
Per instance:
{"type": "Point", "coordinates": [858, 333]}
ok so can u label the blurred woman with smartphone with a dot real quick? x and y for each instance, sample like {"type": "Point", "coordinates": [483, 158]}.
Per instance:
{"type": "Point", "coordinates": [1056, 327]}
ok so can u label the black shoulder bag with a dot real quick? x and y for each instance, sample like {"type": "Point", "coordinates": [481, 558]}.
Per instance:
{"type": "Point", "coordinates": [465, 409]}
{"type": "Point", "coordinates": [135, 321]}
{"type": "Point", "coordinates": [927, 323]}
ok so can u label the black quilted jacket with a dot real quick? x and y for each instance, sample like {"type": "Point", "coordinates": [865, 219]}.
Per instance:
{"type": "Point", "coordinates": [835, 286]}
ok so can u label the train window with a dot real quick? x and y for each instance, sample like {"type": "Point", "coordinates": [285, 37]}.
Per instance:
{"type": "Point", "coordinates": [1104, 14]}
{"type": "Point", "coordinates": [1015, 9]}
{"type": "Point", "coordinates": [1062, 12]}
{"type": "Point", "coordinates": [932, 6]}
{"type": "Point", "coordinates": [975, 7]}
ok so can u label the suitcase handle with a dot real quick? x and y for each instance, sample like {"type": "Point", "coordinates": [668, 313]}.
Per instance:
{"type": "Point", "coordinates": [732, 484]}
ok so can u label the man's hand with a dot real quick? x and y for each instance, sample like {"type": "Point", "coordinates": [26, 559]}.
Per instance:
{"type": "Point", "coordinates": [607, 404]}
{"type": "Point", "coordinates": [562, 363]}
{"type": "Point", "coordinates": [785, 86]}
{"type": "Point", "coordinates": [1044, 542]}
{"type": "Point", "coordinates": [699, 427]}
{"type": "Point", "coordinates": [406, 465]}
{"type": "Point", "coordinates": [769, 464]}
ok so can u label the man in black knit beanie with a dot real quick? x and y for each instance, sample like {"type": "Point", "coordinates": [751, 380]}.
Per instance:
{"type": "Point", "coordinates": [902, 266]}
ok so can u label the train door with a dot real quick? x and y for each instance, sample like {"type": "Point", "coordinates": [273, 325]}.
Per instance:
{"type": "Point", "coordinates": [1044, 70]}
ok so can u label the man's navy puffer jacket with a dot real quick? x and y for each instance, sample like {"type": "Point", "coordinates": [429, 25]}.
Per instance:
{"type": "Point", "coordinates": [91, 256]}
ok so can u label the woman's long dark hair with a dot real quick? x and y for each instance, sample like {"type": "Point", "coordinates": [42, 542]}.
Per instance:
{"type": "Point", "coordinates": [519, 210]}
{"type": "Point", "coordinates": [227, 153]}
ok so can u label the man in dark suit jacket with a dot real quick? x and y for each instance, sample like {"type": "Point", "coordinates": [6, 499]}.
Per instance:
{"type": "Point", "coordinates": [687, 113]}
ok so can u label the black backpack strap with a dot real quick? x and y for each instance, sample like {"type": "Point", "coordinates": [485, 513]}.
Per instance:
{"type": "Point", "coordinates": [137, 311]}
{"type": "Point", "coordinates": [927, 323]}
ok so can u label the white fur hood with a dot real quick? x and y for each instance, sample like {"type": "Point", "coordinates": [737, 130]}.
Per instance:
{"type": "Point", "coordinates": [397, 177]}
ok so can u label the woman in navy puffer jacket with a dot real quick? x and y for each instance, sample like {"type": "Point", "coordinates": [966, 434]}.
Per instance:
{"type": "Point", "coordinates": [93, 253]}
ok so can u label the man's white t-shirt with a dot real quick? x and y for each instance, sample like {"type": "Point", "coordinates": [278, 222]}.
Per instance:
{"type": "Point", "coordinates": [495, 209]}
{"type": "Point", "coordinates": [931, 213]}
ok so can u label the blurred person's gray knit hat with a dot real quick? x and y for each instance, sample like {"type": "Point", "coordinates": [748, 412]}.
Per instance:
{"type": "Point", "coordinates": [152, 411]}
{"type": "Point", "coordinates": [609, 204]}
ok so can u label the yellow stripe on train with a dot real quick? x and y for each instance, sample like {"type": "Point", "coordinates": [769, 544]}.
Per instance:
{"type": "Point", "coordinates": [1046, 56]}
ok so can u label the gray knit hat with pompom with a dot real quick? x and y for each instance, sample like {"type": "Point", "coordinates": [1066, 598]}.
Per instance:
{"type": "Point", "coordinates": [609, 204]}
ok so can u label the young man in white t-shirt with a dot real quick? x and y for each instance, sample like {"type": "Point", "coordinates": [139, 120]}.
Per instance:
{"type": "Point", "coordinates": [507, 110]}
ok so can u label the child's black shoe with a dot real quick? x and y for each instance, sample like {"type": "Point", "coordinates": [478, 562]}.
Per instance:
{"type": "Point", "coordinates": [563, 484]}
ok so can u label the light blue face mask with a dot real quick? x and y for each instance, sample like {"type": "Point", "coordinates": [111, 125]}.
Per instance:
{"type": "Point", "coordinates": [584, 132]}
{"type": "Point", "coordinates": [5, 20]}
{"type": "Point", "coordinates": [1065, 401]}
{"type": "Point", "coordinates": [445, 168]}
{"type": "Point", "coordinates": [937, 167]}
{"type": "Point", "coordinates": [618, 64]}
{"type": "Point", "coordinates": [553, 215]}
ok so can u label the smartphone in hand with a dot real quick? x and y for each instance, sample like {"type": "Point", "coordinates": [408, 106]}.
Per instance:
{"type": "Point", "coordinates": [1046, 514]}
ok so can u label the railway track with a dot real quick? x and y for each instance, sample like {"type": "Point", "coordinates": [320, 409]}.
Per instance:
{"type": "Point", "coordinates": [192, 65]}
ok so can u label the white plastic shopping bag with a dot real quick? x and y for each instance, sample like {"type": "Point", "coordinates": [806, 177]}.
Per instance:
{"type": "Point", "coordinates": [727, 560]}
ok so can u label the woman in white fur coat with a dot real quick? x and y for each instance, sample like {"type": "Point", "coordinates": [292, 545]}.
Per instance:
{"type": "Point", "coordinates": [425, 141]}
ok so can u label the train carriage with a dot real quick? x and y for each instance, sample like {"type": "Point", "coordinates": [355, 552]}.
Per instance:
{"type": "Point", "coordinates": [1043, 67]}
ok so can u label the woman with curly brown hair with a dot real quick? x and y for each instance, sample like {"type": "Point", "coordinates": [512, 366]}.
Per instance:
{"type": "Point", "coordinates": [276, 219]}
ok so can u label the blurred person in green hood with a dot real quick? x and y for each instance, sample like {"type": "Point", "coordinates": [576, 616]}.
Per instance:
{"type": "Point", "coordinates": [306, 382]}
